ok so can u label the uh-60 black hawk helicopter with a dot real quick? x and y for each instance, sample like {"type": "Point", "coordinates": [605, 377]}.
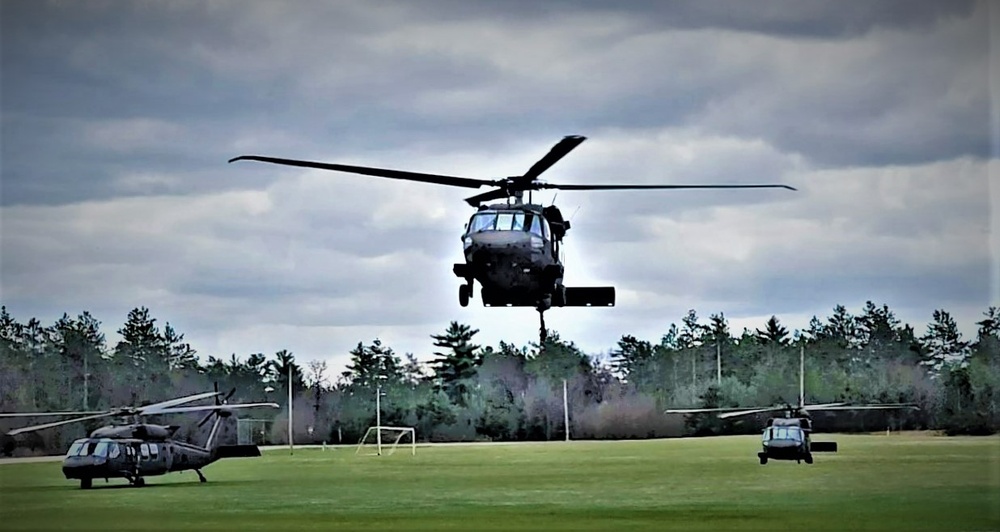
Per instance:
{"type": "Point", "coordinates": [512, 248]}
{"type": "Point", "coordinates": [788, 437]}
{"type": "Point", "coordinates": [136, 450]}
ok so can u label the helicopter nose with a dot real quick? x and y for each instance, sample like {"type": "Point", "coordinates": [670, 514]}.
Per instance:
{"type": "Point", "coordinates": [83, 466]}
{"type": "Point", "coordinates": [500, 239]}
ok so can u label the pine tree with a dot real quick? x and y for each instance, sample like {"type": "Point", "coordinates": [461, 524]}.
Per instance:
{"type": "Point", "coordinates": [454, 368]}
{"type": "Point", "coordinates": [773, 333]}
{"type": "Point", "coordinates": [943, 344]}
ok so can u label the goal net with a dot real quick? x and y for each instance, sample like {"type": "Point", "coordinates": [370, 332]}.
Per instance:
{"type": "Point", "coordinates": [378, 440]}
{"type": "Point", "coordinates": [253, 431]}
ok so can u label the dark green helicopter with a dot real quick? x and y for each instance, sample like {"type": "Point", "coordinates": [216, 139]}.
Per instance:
{"type": "Point", "coordinates": [139, 450]}
{"type": "Point", "coordinates": [788, 437]}
{"type": "Point", "coordinates": [512, 248]}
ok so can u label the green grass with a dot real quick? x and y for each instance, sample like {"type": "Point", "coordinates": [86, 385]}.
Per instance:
{"type": "Point", "coordinates": [898, 482]}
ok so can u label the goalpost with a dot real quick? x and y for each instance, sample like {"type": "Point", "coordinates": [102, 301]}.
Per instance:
{"type": "Point", "coordinates": [399, 432]}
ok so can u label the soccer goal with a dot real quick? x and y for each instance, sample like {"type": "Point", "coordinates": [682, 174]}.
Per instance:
{"type": "Point", "coordinates": [377, 437]}
{"type": "Point", "coordinates": [252, 431]}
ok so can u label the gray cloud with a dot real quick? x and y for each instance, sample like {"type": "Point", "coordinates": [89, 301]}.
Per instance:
{"type": "Point", "coordinates": [118, 119]}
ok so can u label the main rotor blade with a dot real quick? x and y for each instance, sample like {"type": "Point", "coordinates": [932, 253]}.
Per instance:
{"type": "Point", "coordinates": [753, 411]}
{"type": "Point", "coordinates": [155, 407]}
{"type": "Point", "coordinates": [557, 152]}
{"type": "Point", "coordinates": [57, 423]}
{"type": "Point", "coordinates": [870, 407]}
{"type": "Point", "coordinates": [41, 414]}
{"type": "Point", "coordinates": [648, 187]}
{"type": "Point", "coordinates": [486, 196]}
{"type": "Point", "coordinates": [821, 406]}
{"type": "Point", "coordinates": [214, 407]}
{"type": "Point", "coordinates": [377, 172]}
{"type": "Point", "coordinates": [699, 410]}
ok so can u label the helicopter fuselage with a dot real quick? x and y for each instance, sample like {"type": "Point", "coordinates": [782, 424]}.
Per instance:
{"type": "Point", "coordinates": [788, 439]}
{"type": "Point", "coordinates": [512, 250]}
{"type": "Point", "coordinates": [107, 454]}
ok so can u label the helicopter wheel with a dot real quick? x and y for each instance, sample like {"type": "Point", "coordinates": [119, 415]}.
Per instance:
{"type": "Point", "coordinates": [809, 458]}
{"type": "Point", "coordinates": [559, 296]}
{"type": "Point", "coordinates": [763, 460]}
{"type": "Point", "coordinates": [139, 482]}
{"type": "Point", "coordinates": [86, 483]}
{"type": "Point", "coordinates": [464, 293]}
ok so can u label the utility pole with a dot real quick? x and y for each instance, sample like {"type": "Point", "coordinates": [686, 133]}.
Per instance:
{"type": "Point", "coordinates": [86, 376]}
{"type": "Point", "coordinates": [718, 362]}
{"type": "Point", "coordinates": [565, 410]}
{"type": "Point", "coordinates": [378, 418]}
{"type": "Point", "coordinates": [291, 446]}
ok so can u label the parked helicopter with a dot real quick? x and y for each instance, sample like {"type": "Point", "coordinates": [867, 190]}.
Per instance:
{"type": "Point", "coordinates": [788, 437]}
{"type": "Point", "coordinates": [512, 248]}
{"type": "Point", "coordinates": [137, 450]}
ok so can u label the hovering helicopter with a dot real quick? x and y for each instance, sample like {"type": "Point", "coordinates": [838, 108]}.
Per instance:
{"type": "Point", "coordinates": [512, 248]}
{"type": "Point", "coordinates": [788, 437]}
{"type": "Point", "coordinates": [137, 450]}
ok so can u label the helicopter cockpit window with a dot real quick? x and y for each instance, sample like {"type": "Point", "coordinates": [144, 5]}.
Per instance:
{"type": "Point", "coordinates": [518, 222]}
{"type": "Point", "coordinates": [483, 222]}
{"type": "Point", "coordinates": [77, 448]}
{"type": "Point", "coordinates": [786, 433]}
{"type": "Point", "coordinates": [537, 226]}
{"type": "Point", "coordinates": [101, 449]}
{"type": "Point", "coordinates": [505, 220]}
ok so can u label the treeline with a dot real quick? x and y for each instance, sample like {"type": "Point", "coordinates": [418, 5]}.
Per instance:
{"type": "Point", "coordinates": [507, 392]}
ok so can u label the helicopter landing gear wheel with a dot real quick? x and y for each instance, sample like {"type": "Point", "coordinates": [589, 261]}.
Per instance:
{"type": "Point", "coordinates": [559, 296]}
{"type": "Point", "coordinates": [139, 482]}
{"type": "Point", "coordinates": [763, 459]}
{"type": "Point", "coordinates": [464, 293]}
{"type": "Point", "coordinates": [200, 476]}
{"type": "Point", "coordinates": [86, 483]}
{"type": "Point", "coordinates": [809, 458]}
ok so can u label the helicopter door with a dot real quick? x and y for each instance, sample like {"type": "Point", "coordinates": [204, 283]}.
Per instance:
{"type": "Point", "coordinates": [168, 456]}
{"type": "Point", "coordinates": [143, 458]}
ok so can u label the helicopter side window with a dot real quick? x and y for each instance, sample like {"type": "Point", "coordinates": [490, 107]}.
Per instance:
{"type": "Point", "coordinates": [115, 451]}
{"type": "Point", "coordinates": [144, 450]}
{"type": "Point", "coordinates": [535, 227]}
{"type": "Point", "coordinates": [154, 451]}
{"type": "Point", "coordinates": [538, 226]}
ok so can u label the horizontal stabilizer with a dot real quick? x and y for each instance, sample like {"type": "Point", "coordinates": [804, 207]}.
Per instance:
{"type": "Point", "coordinates": [590, 296]}
{"type": "Point", "coordinates": [237, 451]}
{"type": "Point", "coordinates": [823, 446]}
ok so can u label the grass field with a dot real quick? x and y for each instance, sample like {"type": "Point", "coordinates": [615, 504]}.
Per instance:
{"type": "Point", "coordinates": [898, 482]}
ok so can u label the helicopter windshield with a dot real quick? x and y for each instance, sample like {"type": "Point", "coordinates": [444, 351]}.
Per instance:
{"type": "Point", "coordinates": [86, 447]}
{"type": "Point", "coordinates": [77, 448]}
{"type": "Point", "coordinates": [509, 221]}
{"type": "Point", "coordinates": [783, 433]}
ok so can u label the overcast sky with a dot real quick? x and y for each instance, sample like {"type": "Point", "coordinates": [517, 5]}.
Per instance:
{"type": "Point", "coordinates": [118, 118]}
